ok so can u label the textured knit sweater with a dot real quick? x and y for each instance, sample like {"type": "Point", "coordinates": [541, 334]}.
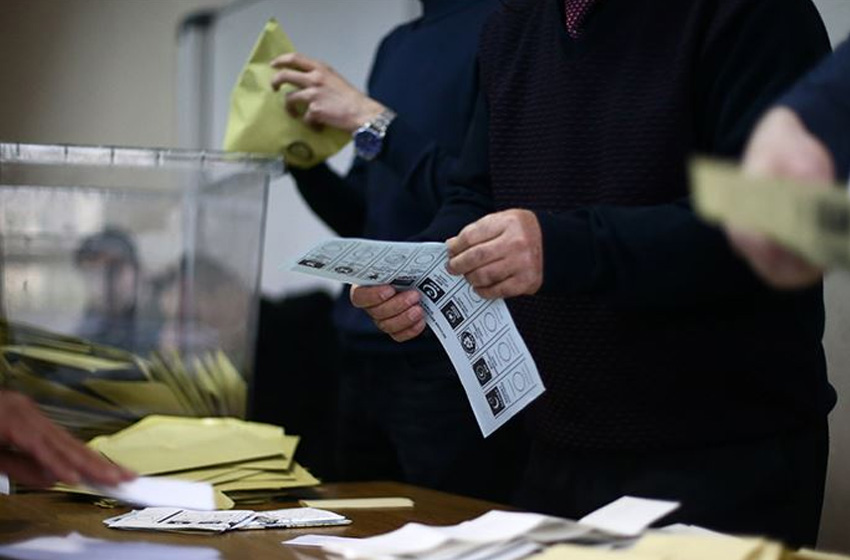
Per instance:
{"type": "Point", "coordinates": [425, 71]}
{"type": "Point", "coordinates": [648, 333]}
{"type": "Point", "coordinates": [822, 99]}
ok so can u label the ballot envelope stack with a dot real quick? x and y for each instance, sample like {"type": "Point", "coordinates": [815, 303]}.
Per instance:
{"type": "Point", "coordinates": [93, 389]}
{"type": "Point", "coordinates": [246, 462]}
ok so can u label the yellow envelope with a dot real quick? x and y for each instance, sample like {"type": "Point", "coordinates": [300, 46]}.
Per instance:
{"type": "Point", "coordinates": [258, 121]}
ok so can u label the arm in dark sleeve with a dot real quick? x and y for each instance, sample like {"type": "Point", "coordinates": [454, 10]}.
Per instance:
{"type": "Point", "coordinates": [338, 201]}
{"type": "Point", "coordinates": [822, 100]}
{"type": "Point", "coordinates": [664, 255]}
{"type": "Point", "coordinates": [468, 194]}
{"type": "Point", "coordinates": [423, 166]}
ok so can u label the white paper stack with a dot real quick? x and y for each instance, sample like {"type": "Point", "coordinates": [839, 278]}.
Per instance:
{"type": "Point", "coordinates": [503, 535]}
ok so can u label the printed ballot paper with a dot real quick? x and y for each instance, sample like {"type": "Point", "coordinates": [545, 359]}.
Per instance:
{"type": "Point", "coordinates": [479, 335]}
{"type": "Point", "coordinates": [176, 519]}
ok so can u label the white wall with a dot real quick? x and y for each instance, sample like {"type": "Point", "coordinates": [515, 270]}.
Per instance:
{"type": "Point", "coordinates": [90, 71]}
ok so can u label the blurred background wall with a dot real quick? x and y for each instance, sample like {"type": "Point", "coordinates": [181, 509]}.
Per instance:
{"type": "Point", "coordinates": [105, 72]}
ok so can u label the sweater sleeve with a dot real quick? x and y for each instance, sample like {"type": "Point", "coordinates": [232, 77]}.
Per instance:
{"type": "Point", "coordinates": [468, 194]}
{"type": "Point", "coordinates": [338, 201]}
{"type": "Point", "coordinates": [664, 255]}
{"type": "Point", "coordinates": [822, 100]}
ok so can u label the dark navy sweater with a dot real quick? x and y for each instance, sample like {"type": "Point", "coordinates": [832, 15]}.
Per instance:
{"type": "Point", "coordinates": [822, 99]}
{"type": "Point", "coordinates": [425, 71]}
{"type": "Point", "coordinates": [649, 333]}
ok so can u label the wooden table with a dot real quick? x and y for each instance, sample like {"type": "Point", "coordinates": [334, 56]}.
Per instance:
{"type": "Point", "coordinates": [26, 516]}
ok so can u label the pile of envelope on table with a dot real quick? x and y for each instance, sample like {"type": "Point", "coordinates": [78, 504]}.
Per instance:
{"type": "Point", "coordinates": [244, 461]}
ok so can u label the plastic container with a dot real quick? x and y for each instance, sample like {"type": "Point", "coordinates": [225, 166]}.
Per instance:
{"type": "Point", "coordinates": [129, 280]}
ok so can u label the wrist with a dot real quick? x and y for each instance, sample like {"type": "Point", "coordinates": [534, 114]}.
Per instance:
{"type": "Point", "coordinates": [366, 113]}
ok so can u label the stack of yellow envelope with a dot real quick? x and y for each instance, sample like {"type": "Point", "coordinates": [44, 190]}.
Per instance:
{"type": "Point", "coordinates": [242, 460]}
{"type": "Point", "coordinates": [94, 389]}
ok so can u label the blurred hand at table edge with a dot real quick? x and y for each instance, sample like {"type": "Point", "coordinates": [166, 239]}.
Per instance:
{"type": "Point", "coordinates": [39, 453]}
{"type": "Point", "coordinates": [781, 146]}
{"type": "Point", "coordinates": [323, 97]}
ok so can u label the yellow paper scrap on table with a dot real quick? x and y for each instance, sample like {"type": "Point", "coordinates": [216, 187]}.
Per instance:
{"type": "Point", "coordinates": [258, 120]}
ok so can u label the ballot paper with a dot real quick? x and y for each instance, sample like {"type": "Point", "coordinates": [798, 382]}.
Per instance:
{"type": "Point", "coordinates": [497, 532]}
{"type": "Point", "coordinates": [176, 519]}
{"type": "Point", "coordinates": [150, 491]}
{"type": "Point", "coordinates": [495, 367]}
{"type": "Point", "coordinates": [77, 547]}
{"type": "Point", "coordinates": [812, 220]}
{"type": "Point", "coordinates": [628, 516]}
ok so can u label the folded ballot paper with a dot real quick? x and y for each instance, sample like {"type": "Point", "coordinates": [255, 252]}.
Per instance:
{"type": "Point", "coordinates": [243, 461]}
{"type": "Point", "coordinates": [498, 534]}
{"type": "Point", "coordinates": [177, 519]}
{"type": "Point", "coordinates": [812, 220]}
{"type": "Point", "coordinates": [495, 367]}
{"type": "Point", "coordinates": [258, 121]}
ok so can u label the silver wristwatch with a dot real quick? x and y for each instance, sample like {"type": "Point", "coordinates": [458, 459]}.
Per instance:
{"type": "Point", "coordinates": [369, 138]}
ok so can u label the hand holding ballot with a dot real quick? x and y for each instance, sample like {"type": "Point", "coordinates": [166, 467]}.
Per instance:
{"type": "Point", "coordinates": [37, 452]}
{"type": "Point", "coordinates": [324, 98]}
{"type": "Point", "coordinates": [782, 147]}
{"type": "Point", "coordinates": [501, 254]}
{"type": "Point", "coordinates": [398, 314]}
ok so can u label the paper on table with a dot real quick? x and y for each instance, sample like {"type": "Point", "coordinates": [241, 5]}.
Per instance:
{"type": "Point", "coordinates": [495, 367]}
{"type": "Point", "coordinates": [628, 515]}
{"type": "Point", "coordinates": [160, 492]}
{"type": "Point", "coordinates": [76, 547]}
{"type": "Point", "coordinates": [258, 121]}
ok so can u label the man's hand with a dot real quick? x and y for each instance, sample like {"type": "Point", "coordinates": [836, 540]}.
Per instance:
{"type": "Point", "coordinates": [782, 147]}
{"type": "Point", "coordinates": [323, 97]}
{"type": "Point", "coordinates": [501, 254]}
{"type": "Point", "coordinates": [39, 453]}
{"type": "Point", "coordinates": [398, 314]}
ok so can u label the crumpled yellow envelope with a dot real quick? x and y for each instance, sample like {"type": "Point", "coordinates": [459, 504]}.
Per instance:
{"type": "Point", "coordinates": [258, 120]}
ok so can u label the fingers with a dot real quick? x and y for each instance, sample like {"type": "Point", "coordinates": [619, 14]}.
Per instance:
{"type": "Point", "coordinates": [295, 78]}
{"type": "Point", "coordinates": [485, 229]}
{"type": "Point", "coordinates": [21, 468]}
{"type": "Point", "coordinates": [296, 61]}
{"type": "Point", "coordinates": [51, 448]}
{"type": "Point", "coordinates": [778, 267]}
{"type": "Point", "coordinates": [474, 257]}
{"type": "Point", "coordinates": [365, 297]}
{"type": "Point", "coordinates": [397, 314]}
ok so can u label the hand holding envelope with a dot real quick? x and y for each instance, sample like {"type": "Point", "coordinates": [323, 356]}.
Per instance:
{"type": "Point", "coordinates": [258, 120]}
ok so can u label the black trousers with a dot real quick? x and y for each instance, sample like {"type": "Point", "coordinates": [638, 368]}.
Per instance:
{"type": "Point", "coordinates": [769, 487]}
{"type": "Point", "coordinates": [405, 417]}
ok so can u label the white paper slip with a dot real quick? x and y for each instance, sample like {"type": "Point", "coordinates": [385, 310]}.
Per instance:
{"type": "Point", "coordinates": [77, 547]}
{"type": "Point", "coordinates": [492, 361]}
{"type": "Point", "coordinates": [161, 492]}
{"type": "Point", "coordinates": [628, 516]}
{"type": "Point", "coordinates": [295, 517]}
{"type": "Point", "coordinates": [359, 503]}
{"type": "Point", "coordinates": [176, 519]}
{"type": "Point", "coordinates": [318, 541]}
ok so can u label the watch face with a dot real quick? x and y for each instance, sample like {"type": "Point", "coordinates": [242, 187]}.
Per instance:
{"type": "Point", "coordinates": [367, 143]}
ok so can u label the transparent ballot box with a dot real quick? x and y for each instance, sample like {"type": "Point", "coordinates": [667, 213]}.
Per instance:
{"type": "Point", "coordinates": [129, 280]}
